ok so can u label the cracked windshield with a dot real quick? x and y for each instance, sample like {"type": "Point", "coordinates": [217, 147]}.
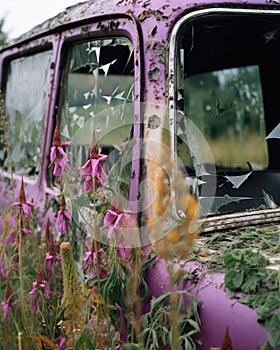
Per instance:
{"type": "Point", "coordinates": [223, 91]}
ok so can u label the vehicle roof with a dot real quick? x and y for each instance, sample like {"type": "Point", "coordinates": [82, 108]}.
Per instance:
{"type": "Point", "coordinates": [164, 10]}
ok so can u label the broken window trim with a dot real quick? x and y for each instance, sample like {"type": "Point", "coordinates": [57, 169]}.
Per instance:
{"type": "Point", "coordinates": [223, 222]}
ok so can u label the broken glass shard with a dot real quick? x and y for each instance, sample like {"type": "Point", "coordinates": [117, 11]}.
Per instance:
{"type": "Point", "coordinates": [238, 180]}
{"type": "Point", "coordinates": [275, 133]}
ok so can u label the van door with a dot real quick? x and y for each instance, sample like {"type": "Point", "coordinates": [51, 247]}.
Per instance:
{"type": "Point", "coordinates": [97, 98]}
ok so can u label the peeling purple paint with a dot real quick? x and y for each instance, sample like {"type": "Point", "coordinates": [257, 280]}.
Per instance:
{"type": "Point", "coordinates": [148, 24]}
{"type": "Point", "coordinates": [218, 311]}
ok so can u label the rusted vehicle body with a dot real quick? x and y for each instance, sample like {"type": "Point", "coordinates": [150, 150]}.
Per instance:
{"type": "Point", "coordinates": [207, 71]}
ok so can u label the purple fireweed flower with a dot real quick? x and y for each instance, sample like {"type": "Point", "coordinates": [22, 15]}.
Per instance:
{"type": "Point", "coordinates": [91, 257]}
{"type": "Point", "coordinates": [26, 208]}
{"type": "Point", "coordinates": [58, 156]}
{"type": "Point", "coordinates": [8, 303]}
{"type": "Point", "coordinates": [5, 307]}
{"type": "Point", "coordinates": [12, 236]}
{"type": "Point", "coordinates": [60, 342]}
{"type": "Point", "coordinates": [21, 223]}
{"type": "Point", "coordinates": [115, 218]}
{"type": "Point", "coordinates": [63, 221]}
{"type": "Point", "coordinates": [42, 285]}
{"type": "Point", "coordinates": [52, 255]}
{"type": "Point", "coordinates": [59, 159]}
{"type": "Point", "coordinates": [39, 284]}
{"type": "Point", "coordinates": [93, 170]}
{"type": "Point", "coordinates": [35, 304]}
{"type": "Point", "coordinates": [49, 263]}
{"type": "Point", "coordinates": [94, 259]}
{"type": "Point", "coordinates": [22, 203]}
{"type": "Point", "coordinates": [124, 252]}
{"type": "Point", "coordinates": [123, 333]}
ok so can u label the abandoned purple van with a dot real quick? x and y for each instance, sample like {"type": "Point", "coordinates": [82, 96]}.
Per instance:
{"type": "Point", "coordinates": [188, 87]}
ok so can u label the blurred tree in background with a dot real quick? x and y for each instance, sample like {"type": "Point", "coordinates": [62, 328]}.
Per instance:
{"type": "Point", "coordinates": [3, 35]}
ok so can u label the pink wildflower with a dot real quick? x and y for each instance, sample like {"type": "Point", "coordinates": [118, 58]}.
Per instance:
{"type": "Point", "coordinates": [21, 224]}
{"type": "Point", "coordinates": [57, 155]}
{"type": "Point", "coordinates": [63, 220]}
{"type": "Point", "coordinates": [123, 333]}
{"type": "Point", "coordinates": [40, 283]}
{"type": "Point", "coordinates": [25, 206]}
{"type": "Point", "coordinates": [93, 258]}
{"type": "Point", "coordinates": [120, 225]}
{"type": "Point", "coordinates": [13, 235]}
{"type": "Point", "coordinates": [93, 170]}
{"type": "Point", "coordinates": [115, 218]}
{"type": "Point", "coordinates": [8, 302]}
{"type": "Point", "coordinates": [52, 255]}
{"type": "Point", "coordinates": [124, 252]}
{"type": "Point", "coordinates": [60, 342]}
{"type": "Point", "coordinates": [50, 262]}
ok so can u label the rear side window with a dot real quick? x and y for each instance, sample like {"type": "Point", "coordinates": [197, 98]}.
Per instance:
{"type": "Point", "coordinates": [26, 91]}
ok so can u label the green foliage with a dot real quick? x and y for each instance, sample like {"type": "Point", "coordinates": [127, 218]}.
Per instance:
{"type": "Point", "coordinates": [247, 257]}
{"type": "Point", "coordinates": [247, 272]}
{"type": "Point", "coordinates": [157, 323]}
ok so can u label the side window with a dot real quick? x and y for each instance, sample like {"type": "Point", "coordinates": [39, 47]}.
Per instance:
{"type": "Point", "coordinates": [227, 68]}
{"type": "Point", "coordinates": [97, 98]}
{"type": "Point", "coordinates": [26, 91]}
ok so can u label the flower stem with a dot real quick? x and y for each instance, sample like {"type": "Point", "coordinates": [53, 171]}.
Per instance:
{"type": "Point", "coordinates": [19, 341]}
{"type": "Point", "coordinates": [20, 269]}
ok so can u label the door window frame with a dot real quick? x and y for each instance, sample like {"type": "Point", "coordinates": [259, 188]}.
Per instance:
{"type": "Point", "coordinates": [116, 26]}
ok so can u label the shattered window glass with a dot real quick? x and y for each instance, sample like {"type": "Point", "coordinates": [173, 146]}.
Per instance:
{"type": "Point", "coordinates": [98, 96]}
{"type": "Point", "coordinates": [26, 93]}
{"type": "Point", "coordinates": [226, 72]}
{"type": "Point", "coordinates": [227, 107]}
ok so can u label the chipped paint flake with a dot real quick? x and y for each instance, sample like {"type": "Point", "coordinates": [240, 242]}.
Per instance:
{"type": "Point", "coordinates": [154, 74]}
{"type": "Point", "coordinates": [154, 31]}
{"type": "Point", "coordinates": [153, 122]}
{"type": "Point", "coordinates": [145, 14]}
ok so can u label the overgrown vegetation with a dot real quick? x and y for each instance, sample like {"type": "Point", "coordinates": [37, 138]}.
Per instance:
{"type": "Point", "coordinates": [78, 282]}
{"type": "Point", "coordinates": [247, 273]}
{"type": "Point", "coordinates": [250, 259]}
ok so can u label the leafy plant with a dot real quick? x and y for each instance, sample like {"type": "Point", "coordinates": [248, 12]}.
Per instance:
{"type": "Point", "coordinates": [157, 323]}
{"type": "Point", "coordinates": [247, 272]}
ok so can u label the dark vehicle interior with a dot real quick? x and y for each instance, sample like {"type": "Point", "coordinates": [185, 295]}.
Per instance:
{"type": "Point", "coordinates": [229, 85]}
